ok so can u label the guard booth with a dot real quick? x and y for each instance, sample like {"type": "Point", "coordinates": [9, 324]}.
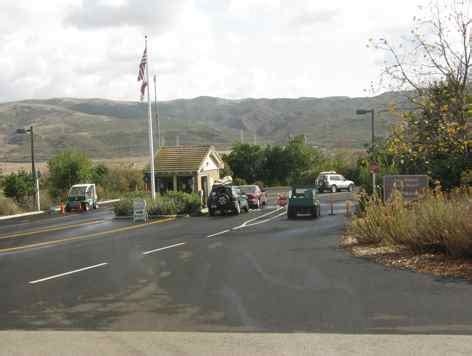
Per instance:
{"type": "Point", "coordinates": [190, 169]}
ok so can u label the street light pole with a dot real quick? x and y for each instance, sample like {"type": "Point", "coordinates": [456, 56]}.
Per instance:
{"type": "Point", "coordinates": [372, 113]}
{"type": "Point", "coordinates": [33, 167]}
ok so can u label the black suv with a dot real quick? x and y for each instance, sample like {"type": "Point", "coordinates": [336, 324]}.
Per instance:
{"type": "Point", "coordinates": [227, 198]}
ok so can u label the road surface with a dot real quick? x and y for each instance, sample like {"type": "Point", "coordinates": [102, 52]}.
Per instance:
{"type": "Point", "coordinates": [256, 272]}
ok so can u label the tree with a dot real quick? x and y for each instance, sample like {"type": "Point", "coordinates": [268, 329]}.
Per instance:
{"type": "Point", "coordinates": [246, 161]}
{"type": "Point", "coordinates": [435, 135]}
{"type": "Point", "coordinates": [18, 186]}
{"type": "Point", "coordinates": [99, 173]}
{"type": "Point", "coordinates": [66, 169]}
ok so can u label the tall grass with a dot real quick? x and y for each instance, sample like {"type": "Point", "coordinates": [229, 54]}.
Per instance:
{"type": "Point", "coordinates": [437, 222]}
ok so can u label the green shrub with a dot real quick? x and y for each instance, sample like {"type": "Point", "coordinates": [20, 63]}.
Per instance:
{"type": "Point", "coordinates": [18, 186]}
{"type": "Point", "coordinates": [260, 184]}
{"type": "Point", "coordinates": [169, 204]}
{"type": "Point", "coordinates": [8, 207]}
{"type": "Point", "coordinates": [185, 203]}
{"type": "Point", "coordinates": [239, 181]}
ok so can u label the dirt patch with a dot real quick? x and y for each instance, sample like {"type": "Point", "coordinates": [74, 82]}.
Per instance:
{"type": "Point", "coordinates": [396, 256]}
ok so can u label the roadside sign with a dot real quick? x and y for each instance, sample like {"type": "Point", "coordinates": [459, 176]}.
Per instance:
{"type": "Point", "coordinates": [139, 210]}
{"type": "Point", "coordinates": [374, 168]}
{"type": "Point", "coordinates": [408, 185]}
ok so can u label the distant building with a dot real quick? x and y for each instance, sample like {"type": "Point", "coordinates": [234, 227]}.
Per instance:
{"type": "Point", "coordinates": [187, 169]}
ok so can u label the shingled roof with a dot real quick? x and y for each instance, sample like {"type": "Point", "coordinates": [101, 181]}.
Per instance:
{"type": "Point", "coordinates": [181, 158]}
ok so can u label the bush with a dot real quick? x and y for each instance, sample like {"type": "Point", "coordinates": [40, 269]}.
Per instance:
{"type": "Point", "coordinates": [239, 181]}
{"type": "Point", "coordinates": [122, 180]}
{"type": "Point", "coordinates": [18, 186]}
{"type": "Point", "coordinates": [260, 184]}
{"type": "Point", "coordinates": [435, 223]}
{"type": "Point", "coordinates": [66, 169]}
{"type": "Point", "coordinates": [8, 207]}
{"type": "Point", "coordinates": [466, 178]}
{"type": "Point", "coordinates": [169, 204]}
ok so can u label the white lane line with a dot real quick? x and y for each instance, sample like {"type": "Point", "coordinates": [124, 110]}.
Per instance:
{"type": "Point", "coordinates": [68, 273]}
{"type": "Point", "coordinates": [261, 216]}
{"type": "Point", "coordinates": [219, 233]}
{"type": "Point", "coordinates": [260, 222]}
{"type": "Point", "coordinates": [163, 248]}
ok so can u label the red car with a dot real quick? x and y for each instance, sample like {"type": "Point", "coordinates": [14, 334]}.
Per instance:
{"type": "Point", "coordinates": [256, 196]}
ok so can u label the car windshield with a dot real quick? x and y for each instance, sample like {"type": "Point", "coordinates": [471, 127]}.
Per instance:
{"type": "Point", "coordinates": [248, 189]}
{"type": "Point", "coordinates": [77, 191]}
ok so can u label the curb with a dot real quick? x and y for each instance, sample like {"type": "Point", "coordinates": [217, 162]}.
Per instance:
{"type": "Point", "coordinates": [33, 213]}
{"type": "Point", "coordinates": [51, 210]}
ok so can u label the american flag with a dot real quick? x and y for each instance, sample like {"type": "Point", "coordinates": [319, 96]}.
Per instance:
{"type": "Point", "coordinates": [142, 68]}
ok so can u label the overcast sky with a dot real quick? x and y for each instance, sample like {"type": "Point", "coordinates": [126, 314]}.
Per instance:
{"type": "Point", "coordinates": [225, 48]}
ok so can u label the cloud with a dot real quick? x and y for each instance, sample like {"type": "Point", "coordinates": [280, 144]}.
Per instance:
{"type": "Point", "coordinates": [226, 48]}
{"type": "Point", "coordinates": [155, 15]}
{"type": "Point", "coordinates": [315, 17]}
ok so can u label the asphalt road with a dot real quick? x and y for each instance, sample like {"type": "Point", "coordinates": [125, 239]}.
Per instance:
{"type": "Point", "coordinates": [257, 272]}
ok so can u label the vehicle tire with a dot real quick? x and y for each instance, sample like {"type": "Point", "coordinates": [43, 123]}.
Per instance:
{"type": "Point", "coordinates": [85, 207]}
{"type": "Point", "coordinates": [237, 208]}
{"type": "Point", "coordinates": [95, 206]}
{"type": "Point", "coordinates": [67, 209]}
{"type": "Point", "coordinates": [334, 189]}
{"type": "Point", "coordinates": [211, 212]}
{"type": "Point", "coordinates": [350, 188]}
{"type": "Point", "coordinates": [246, 209]}
{"type": "Point", "coordinates": [291, 213]}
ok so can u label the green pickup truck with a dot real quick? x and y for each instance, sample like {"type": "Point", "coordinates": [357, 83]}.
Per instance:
{"type": "Point", "coordinates": [303, 200]}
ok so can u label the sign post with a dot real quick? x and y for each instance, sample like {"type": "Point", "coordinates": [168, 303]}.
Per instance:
{"type": "Point", "coordinates": [374, 168]}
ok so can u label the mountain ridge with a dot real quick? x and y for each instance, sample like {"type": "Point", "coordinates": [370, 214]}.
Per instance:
{"type": "Point", "coordinates": [107, 128]}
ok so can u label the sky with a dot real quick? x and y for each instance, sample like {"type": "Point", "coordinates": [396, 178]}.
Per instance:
{"type": "Point", "coordinates": [226, 48]}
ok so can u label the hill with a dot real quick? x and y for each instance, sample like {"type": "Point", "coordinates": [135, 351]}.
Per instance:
{"type": "Point", "coordinates": [109, 129]}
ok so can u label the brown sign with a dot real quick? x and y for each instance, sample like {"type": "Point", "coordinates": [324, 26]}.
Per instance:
{"type": "Point", "coordinates": [409, 185]}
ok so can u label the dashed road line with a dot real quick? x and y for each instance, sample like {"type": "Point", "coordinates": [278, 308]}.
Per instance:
{"type": "Point", "coordinates": [219, 233]}
{"type": "Point", "coordinates": [164, 248]}
{"type": "Point", "coordinates": [260, 222]}
{"type": "Point", "coordinates": [68, 273]}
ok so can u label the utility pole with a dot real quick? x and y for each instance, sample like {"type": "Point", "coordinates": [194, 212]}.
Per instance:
{"type": "Point", "coordinates": [242, 135]}
{"type": "Point", "coordinates": [255, 138]}
{"type": "Point", "coordinates": [177, 140]}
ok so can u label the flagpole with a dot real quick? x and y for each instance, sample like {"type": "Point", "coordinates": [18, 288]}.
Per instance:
{"type": "Point", "coordinates": [151, 141]}
{"type": "Point", "coordinates": [157, 113]}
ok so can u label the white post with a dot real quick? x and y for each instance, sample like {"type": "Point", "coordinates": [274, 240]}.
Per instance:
{"type": "Point", "coordinates": [374, 188]}
{"type": "Point", "coordinates": [151, 141]}
{"type": "Point", "coordinates": [38, 199]}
